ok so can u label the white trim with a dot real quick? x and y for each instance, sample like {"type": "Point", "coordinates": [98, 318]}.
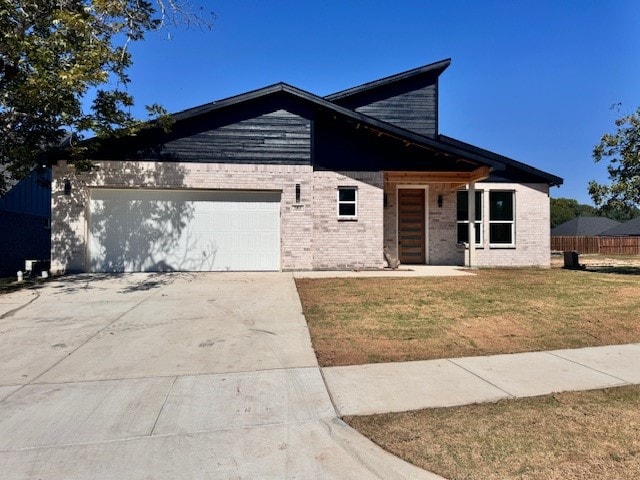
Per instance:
{"type": "Point", "coordinates": [426, 217]}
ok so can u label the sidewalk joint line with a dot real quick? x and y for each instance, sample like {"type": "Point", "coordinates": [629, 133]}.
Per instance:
{"type": "Point", "coordinates": [509, 394]}
{"type": "Point", "coordinates": [626, 382]}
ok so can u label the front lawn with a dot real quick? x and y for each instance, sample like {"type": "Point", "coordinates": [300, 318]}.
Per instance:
{"type": "Point", "coordinates": [572, 435]}
{"type": "Point", "coordinates": [367, 320]}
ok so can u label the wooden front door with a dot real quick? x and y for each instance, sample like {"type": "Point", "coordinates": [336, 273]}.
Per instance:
{"type": "Point", "coordinates": [411, 225]}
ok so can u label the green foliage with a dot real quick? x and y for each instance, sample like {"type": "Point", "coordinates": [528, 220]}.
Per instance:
{"type": "Point", "coordinates": [564, 209]}
{"type": "Point", "coordinates": [53, 55]}
{"type": "Point", "coordinates": [622, 150]}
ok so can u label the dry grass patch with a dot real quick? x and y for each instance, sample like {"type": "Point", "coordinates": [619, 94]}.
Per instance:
{"type": "Point", "coordinates": [576, 435]}
{"type": "Point", "coordinates": [367, 320]}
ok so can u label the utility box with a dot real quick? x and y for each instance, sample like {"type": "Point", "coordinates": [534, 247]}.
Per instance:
{"type": "Point", "coordinates": [571, 260]}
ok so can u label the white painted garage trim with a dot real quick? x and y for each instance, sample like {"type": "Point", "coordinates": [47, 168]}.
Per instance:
{"type": "Point", "coordinates": [131, 230]}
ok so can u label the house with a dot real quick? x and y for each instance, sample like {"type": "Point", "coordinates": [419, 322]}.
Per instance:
{"type": "Point", "coordinates": [282, 179]}
{"type": "Point", "coordinates": [583, 227]}
{"type": "Point", "coordinates": [25, 219]}
{"type": "Point", "coordinates": [630, 228]}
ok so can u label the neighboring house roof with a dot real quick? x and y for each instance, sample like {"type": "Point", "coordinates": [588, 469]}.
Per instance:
{"type": "Point", "coordinates": [462, 155]}
{"type": "Point", "coordinates": [583, 226]}
{"type": "Point", "coordinates": [629, 228]}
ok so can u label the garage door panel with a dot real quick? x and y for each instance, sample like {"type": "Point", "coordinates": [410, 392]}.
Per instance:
{"type": "Point", "coordinates": [160, 230]}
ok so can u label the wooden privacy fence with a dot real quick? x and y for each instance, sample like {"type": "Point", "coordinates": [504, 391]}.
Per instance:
{"type": "Point", "coordinates": [602, 245]}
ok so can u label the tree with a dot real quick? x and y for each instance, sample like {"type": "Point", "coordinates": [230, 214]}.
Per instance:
{"type": "Point", "coordinates": [622, 150]}
{"type": "Point", "coordinates": [564, 209]}
{"type": "Point", "coordinates": [54, 55]}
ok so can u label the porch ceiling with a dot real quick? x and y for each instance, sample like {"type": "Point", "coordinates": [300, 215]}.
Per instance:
{"type": "Point", "coordinates": [456, 179]}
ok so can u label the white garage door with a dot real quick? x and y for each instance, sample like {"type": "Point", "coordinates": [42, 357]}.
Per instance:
{"type": "Point", "coordinates": [144, 230]}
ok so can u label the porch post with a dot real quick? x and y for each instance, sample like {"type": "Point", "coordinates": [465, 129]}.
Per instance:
{"type": "Point", "coordinates": [471, 260]}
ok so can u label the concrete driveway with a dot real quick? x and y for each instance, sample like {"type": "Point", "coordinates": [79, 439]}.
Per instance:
{"type": "Point", "coordinates": [170, 376]}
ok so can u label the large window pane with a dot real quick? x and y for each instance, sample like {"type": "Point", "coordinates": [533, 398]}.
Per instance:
{"type": "Point", "coordinates": [347, 209]}
{"type": "Point", "coordinates": [501, 233]}
{"type": "Point", "coordinates": [347, 194]}
{"type": "Point", "coordinates": [462, 203]}
{"type": "Point", "coordinates": [463, 233]}
{"type": "Point", "coordinates": [501, 206]}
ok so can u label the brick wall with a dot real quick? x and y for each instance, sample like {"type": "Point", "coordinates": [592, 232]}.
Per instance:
{"type": "Point", "coordinates": [532, 228]}
{"type": "Point", "coordinates": [347, 244]}
{"type": "Point", "coordinates": [311, 235]}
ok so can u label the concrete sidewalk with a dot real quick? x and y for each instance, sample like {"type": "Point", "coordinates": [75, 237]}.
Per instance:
{"type": "Point", "coordinates": [397, 387]}
{"type": "Point", "coordinates": [402, 272]}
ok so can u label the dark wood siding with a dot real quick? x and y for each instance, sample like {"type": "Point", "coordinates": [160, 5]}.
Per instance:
{"type": "Point", "coordinates": [273, 129]}
{"type": "Point", "coordinates": [276, 137]}
{"type": "Point", "coordinates": [412, 105]}
{"type": "Point", "coordinates": [415, 110]}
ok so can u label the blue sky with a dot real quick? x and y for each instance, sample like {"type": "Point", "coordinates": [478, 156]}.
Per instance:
{"type": "Point", "coordinates": [531, 80]}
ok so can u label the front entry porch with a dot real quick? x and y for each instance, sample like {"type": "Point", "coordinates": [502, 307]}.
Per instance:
{"type": "Point", "coordinates": [420, 216]}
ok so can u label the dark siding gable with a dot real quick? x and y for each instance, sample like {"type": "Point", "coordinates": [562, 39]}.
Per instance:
{"type": "Point", "coordinates": [272, 129]}
{"type": "Point", "coordinates": [276, 137]}
{"type": "Point", "coordinates": [412, 105]}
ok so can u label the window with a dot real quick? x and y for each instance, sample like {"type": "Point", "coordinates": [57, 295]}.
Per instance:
{"type": "Point", "coordinates": [501, 218]}
{"type": "Point", "coordinates": [463, 216]}
{"type": "Point", "coordinates": [347, 203]}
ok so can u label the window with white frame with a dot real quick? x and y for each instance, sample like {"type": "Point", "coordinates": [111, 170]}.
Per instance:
{"type": "Point", "coordinates": [347, 203]}
{"type": "Point", "coordinates": [501, 218]}
{"type": "Point", "coordinates": [462, 203]}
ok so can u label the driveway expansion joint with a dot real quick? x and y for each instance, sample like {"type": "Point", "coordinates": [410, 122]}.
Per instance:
{"type": "Point", "coordinates": [166, 398]}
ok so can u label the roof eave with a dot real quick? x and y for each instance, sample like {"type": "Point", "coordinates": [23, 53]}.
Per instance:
{"type": "Point", "coordinates": [551, 179]}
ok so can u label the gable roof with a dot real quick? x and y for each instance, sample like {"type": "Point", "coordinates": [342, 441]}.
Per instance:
{"type": "Point", "coordinates": [442, 144]}
{"type": "Point", "coordinates": [473, 157]}
{"type": "Point", "coordinates": [629, 228]}
{"type": "Point", "coordinates": [426, 71]}
{"type": "Point", "coordinates": [584, 226]}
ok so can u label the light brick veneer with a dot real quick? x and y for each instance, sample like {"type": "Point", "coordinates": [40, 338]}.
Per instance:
{"type": "Point", "coordinates": [532, 228]}
{"type": "Point", "coordinates": [311, 236]}
{"type": "Point", "coordinates": [347, 244]}
{"type": "Point", "coordinates": [532, 240]}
